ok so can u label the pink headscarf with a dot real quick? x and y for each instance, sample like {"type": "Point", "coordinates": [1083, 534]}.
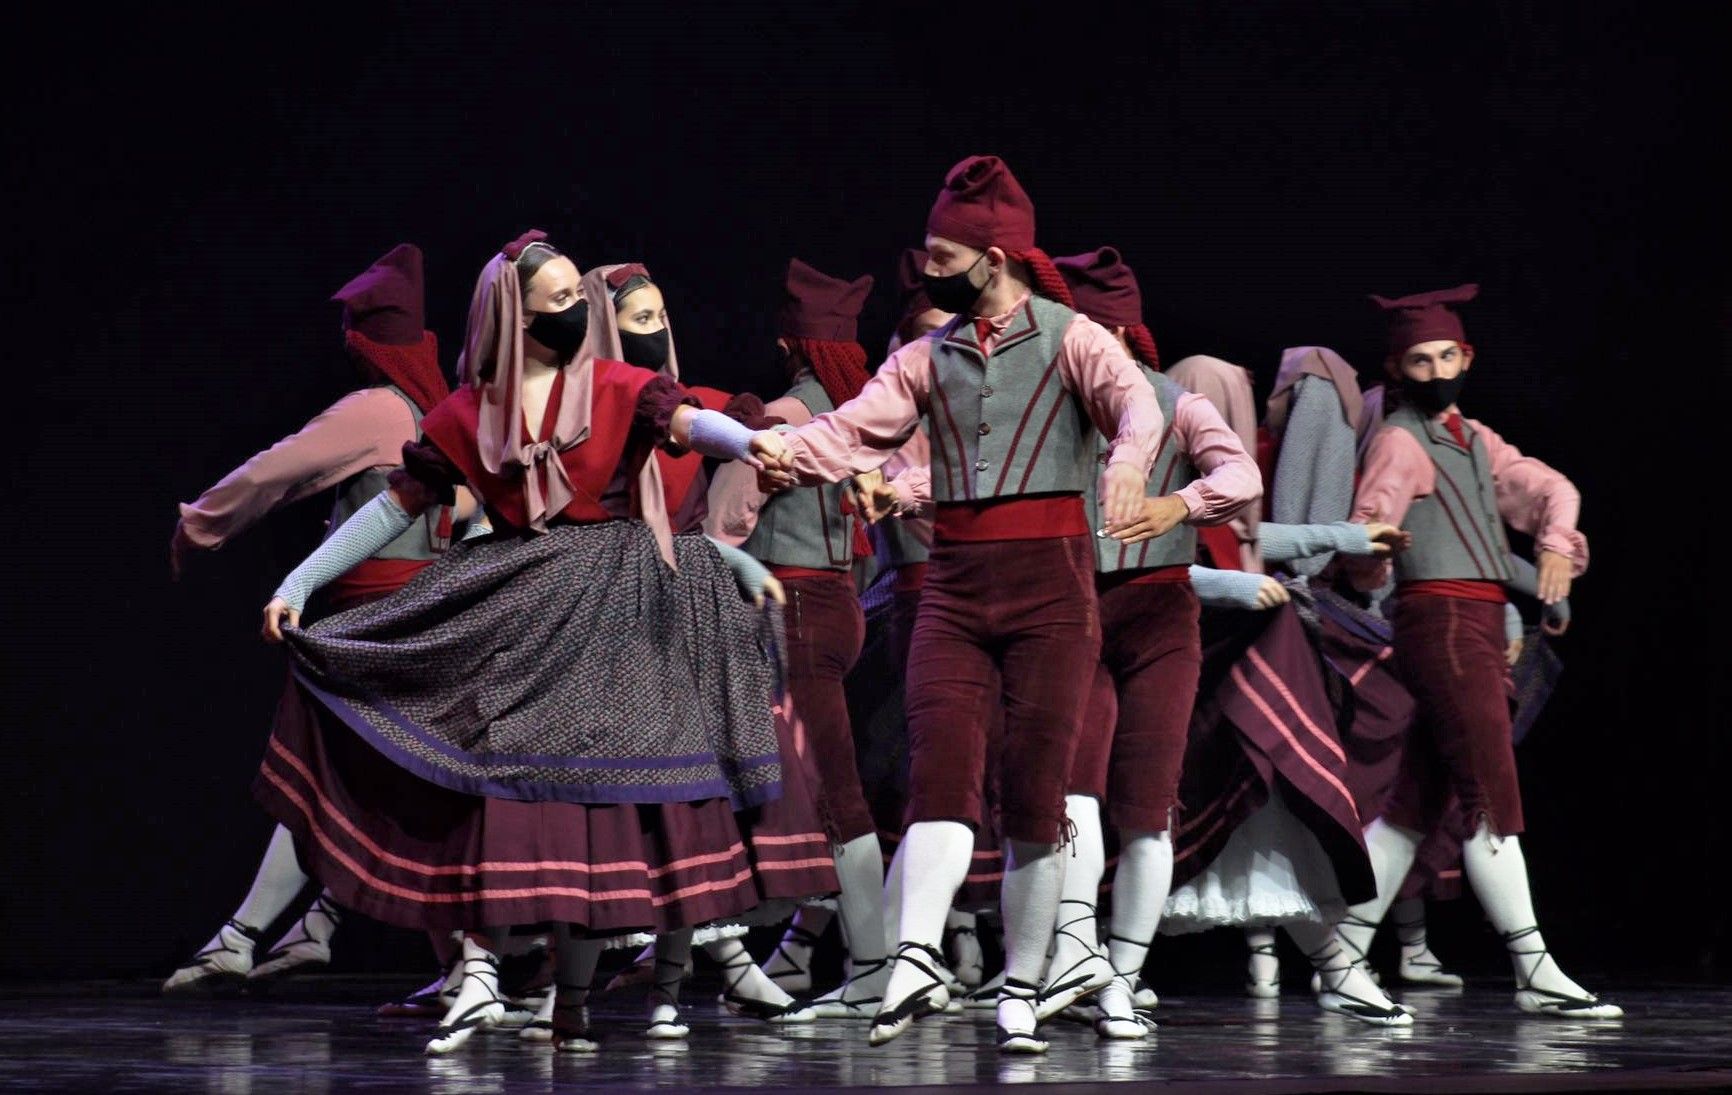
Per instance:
{"type": "Point", "coordinates": [492, 362]}
{"type": "Point", "coordinates": [1228, 387]}
{"type": "Point", "coordinates": [605, 329]}
{"type": "Point", "coordinates": [1318, 361]}
{"type": "Point", "coordinates": [1370, 419]}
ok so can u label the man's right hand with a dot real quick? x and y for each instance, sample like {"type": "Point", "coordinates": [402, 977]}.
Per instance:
{"type": "Point", "coordinates": [878, 500]}
{"type": "Point", "coordinates": [771, 451]}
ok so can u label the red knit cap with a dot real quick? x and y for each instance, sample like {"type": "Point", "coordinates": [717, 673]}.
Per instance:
{"type": "Point", "coordinates": [1104, 286]}
{"type": "Point", "coordinates": [982, 205]}
{"type": "Point", "coordinates": [1425, 317]}
{"type": "Point", "coordinates": [816, 305]}
{"type": "Point", "coordinates": [385, 302]}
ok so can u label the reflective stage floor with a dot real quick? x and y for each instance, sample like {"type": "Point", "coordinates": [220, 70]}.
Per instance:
{"type": "Point", "coordinates": [320, 1034]}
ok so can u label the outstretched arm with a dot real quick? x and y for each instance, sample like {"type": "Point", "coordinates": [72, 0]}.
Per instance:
{"type": "Point", "coordinates": [362, 430]}
{"type": "Point", "coordinates": [1396, 471]}
{"type": "Point", "coordinates": [860, 435]}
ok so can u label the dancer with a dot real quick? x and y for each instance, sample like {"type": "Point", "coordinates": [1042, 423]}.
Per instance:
{"type": "Point", "coordinates": [906, 546]}
{"type": "Point", "coordinates": [902, 490]}
{"type": "Point", "coordinates": [1133, 734]}
{"type": "Point", "coordinates": [351, 447]}
{"type": "Point", "coordinates": [1269, 834]}
{"type": "Point", "coordinates": [520, 734]}
{"type": "Point", "coordinates": [1009, 594]}
{"type": "Point", "coordinates": [1453, 484]}
{"type": "Point", "coordinates": [637, 330]}
{"type": "Point", "coordinates": [806, 536]}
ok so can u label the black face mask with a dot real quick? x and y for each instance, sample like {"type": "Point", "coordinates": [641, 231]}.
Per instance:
{"type": "Point", "coordinates": [645, 351]}
{"type": "Point", "coordinates": [562, 332]}
{"type": "Point", "coordinates": [954, 292]}
{"type": "Point", "coordinates": [1434, 396]}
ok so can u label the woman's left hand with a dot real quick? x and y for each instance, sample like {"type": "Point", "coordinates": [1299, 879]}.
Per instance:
{"type": "Point", "coordinates": [773, 590]}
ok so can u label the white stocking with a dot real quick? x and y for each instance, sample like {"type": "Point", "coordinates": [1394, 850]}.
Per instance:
{"type": "Point", "coordinates": [1498, 873]}
{"type": "Point", "coordinates": [935, 857]}
{"type": "Point", "coordinates": [278, 882]}
{"type": "Point", "coordinates": [1078, 931]}
{"type": "Point", "coordinates": [1033, 881]}
{"type": "Point", "coordinates": [1393, 850]}
{"type": "Point", "coordinates": [860, 868]}
{"type": "Point", "coordinates": [1140, 889]}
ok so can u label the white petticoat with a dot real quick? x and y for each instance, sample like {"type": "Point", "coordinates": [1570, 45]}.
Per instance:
{"type": "Point", "coordinates": [767, 914]}
{"type": "Point", "coordinates": [1272, 871]}
{"type": "Point", "coordinates": [709, 933]}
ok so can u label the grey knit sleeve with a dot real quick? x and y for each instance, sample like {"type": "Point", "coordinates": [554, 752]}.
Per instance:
{"type": "Point", "coordinates": [1287, 543]}
{"type": "Point", "coordinates": [478, 527]}
{"type": "Point", "coordinates": [1226, 588]}
{"type": "Point", "coordinates": [372, 527]}
{"type": "Point", "coordinates": [748, 572]}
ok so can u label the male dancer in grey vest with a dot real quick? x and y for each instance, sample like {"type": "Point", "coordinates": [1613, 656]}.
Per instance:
{"type": "Point", "coordinates": [1133, 733]}
{"type": "Point", "coordinates": [806, 538]}
{"type": "Point", "coordinates": [1015, 386]}
{"type": "Point", "coordinates": [1452, 484]}
{"type": "Point", "coordinates": [351, 447]}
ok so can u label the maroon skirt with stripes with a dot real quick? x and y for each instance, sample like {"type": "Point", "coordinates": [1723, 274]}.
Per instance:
{"type": "Point", "coordinates": [409, 852]}
{"type": "Point", "coordinates": [1373, 711]}
{"type": "Point", "coordinates": [1264, 724]}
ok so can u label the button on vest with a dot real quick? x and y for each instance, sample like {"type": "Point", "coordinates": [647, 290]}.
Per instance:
{"type": "Point", "coordinates": [1457, 530]}
{"type": "Point", "coordinates": [1004, 424]}
{"type": "Point", "coordinates": [805, 527]}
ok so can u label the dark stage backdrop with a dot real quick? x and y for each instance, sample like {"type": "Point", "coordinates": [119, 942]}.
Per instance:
{"type": "Point", "coordinates": [188, 190]}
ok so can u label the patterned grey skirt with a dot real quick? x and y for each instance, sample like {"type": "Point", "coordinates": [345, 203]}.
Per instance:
{"type": "Point", "coordinates": [568, 667]}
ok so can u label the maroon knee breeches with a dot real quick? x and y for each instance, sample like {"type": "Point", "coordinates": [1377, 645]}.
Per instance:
{"type": "Point", "coordinates": [1011, 623]}
{"type": "Point", "coordinates": [1450, 654]}
{"type": "Point", "coordinates": [1132, 743]}
{"type": "Point", "coordinates": [825, 632]}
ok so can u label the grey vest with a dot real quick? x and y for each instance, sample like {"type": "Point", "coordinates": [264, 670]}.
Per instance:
{"type": "Point", "coordinates": [1457, 532]}
{"type": "Point", "coordinates": [1173, 469]}
{"type": "Point", "coordinates": [362, 487]}
{"type": "Point", "coordinates": [805, 527]}
{"type": "Point", "coordinates": [1006, 425]}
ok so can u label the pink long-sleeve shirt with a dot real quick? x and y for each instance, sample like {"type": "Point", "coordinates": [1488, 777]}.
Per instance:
{"type": "Point", "coordinates": [1230, 479]}
{"type": "Point", "coordinates": [364, 429]}
{"type": "Point", "coordinates": [1532, 497]}
{"type": "Point", "coordinates": [865, 432]}
{"type": "Point", "coordinates": [909, 473]}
